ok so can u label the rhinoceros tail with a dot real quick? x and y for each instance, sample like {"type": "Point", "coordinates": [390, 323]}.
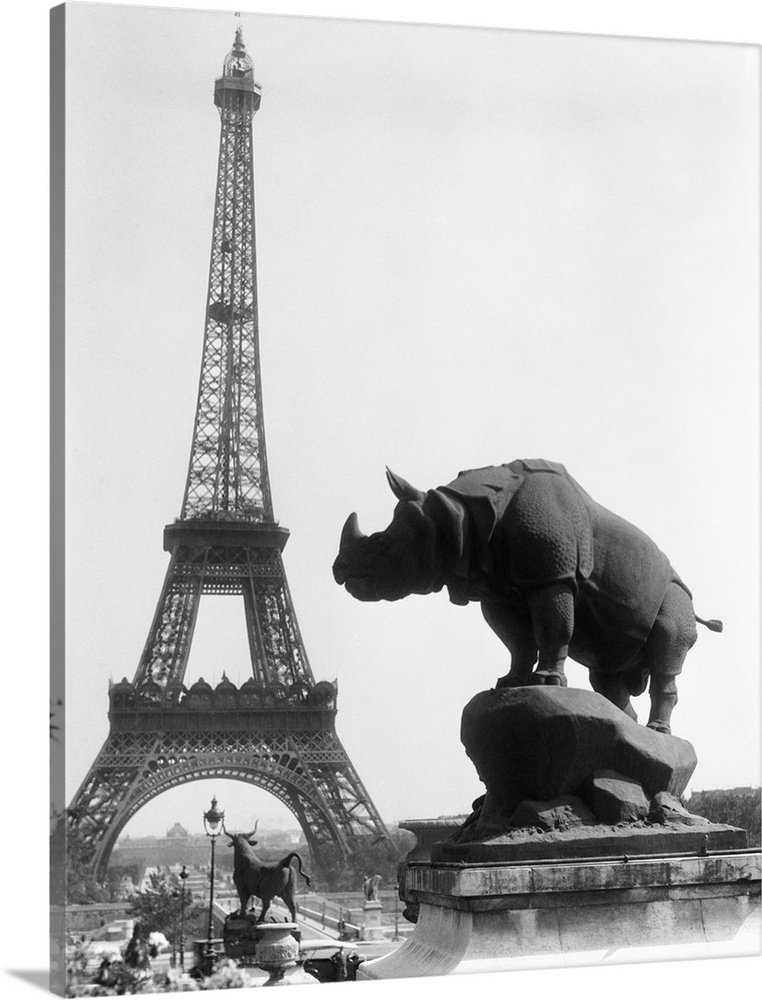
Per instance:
{"type": "Point", "coordinates": [713, 624]}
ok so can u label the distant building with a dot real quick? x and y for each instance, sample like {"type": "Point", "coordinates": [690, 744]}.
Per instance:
{"type": "Point", "coordinates": [178, 847]}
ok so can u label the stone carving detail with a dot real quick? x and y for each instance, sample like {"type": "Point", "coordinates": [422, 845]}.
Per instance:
{"type": "Point", "coordinates": [556, 574]}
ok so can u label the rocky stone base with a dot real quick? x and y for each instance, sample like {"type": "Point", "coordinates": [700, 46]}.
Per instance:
{"type": "Point", "coordinates": [556, 760]}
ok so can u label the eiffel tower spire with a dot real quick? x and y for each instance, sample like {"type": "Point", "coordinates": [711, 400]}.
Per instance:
{"type": "Point", "coordinates": [227, 475]}
{"type": "Point", "coordinates": [277, 731]}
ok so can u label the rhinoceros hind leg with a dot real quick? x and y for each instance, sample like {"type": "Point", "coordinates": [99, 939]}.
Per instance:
{"type": "Point", "coordinates": [672, 635]}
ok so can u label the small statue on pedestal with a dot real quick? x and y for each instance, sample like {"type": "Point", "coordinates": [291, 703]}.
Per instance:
{"type": "Point", "coordinates": [370, 888]}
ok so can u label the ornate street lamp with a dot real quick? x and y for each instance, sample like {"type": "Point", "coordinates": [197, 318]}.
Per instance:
{"type": "Point", "coordinates": [183, 877]}
{"type": "Point", "coordinates": [213, 819]}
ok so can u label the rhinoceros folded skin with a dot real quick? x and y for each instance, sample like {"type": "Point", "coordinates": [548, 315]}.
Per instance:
{"type": "Point", "coordinates": [527, 524]}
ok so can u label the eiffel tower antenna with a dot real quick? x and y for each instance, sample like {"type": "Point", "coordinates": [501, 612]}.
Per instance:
{"type": "Point", "coordinates": [277, 730]}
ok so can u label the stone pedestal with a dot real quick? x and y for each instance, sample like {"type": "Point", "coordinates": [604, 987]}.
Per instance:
{"type": "Point", "coordinates": [478, 917]}
{"type": "Point", "coordinates": [579, 852]}
{"type": "Point", "coordinates": [241, 935]}
{"type": "Point", "coordinates": [372, 929]}
{"type": "Point", "coordinates": [277, 953]}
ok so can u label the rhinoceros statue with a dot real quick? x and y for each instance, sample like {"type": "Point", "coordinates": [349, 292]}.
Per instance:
{"type": "Point", "coordinates": [556, 574]}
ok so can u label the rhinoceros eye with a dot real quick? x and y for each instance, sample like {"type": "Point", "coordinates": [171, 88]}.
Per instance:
{"type": "Point", "coordinates": [382, 544]}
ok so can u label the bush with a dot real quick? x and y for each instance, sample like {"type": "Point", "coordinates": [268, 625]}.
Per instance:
{"type": "Point", "coordinates": [227, 976]}
{"type": "Point", "coordinates": [736, 807]}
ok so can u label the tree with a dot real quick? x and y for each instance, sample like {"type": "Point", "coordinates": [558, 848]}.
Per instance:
{"type": "Point", "coordinates": [158, 907]}
{"type": "Point", "coordinates": [380, 856]}
{"type": "Point", "coordinates": [81, 885]}
{"type": "Point", "coordinates": [734, 806]}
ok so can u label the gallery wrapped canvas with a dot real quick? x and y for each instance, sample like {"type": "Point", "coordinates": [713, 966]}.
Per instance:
{"type": "Point", "coordinates": [289, 253]}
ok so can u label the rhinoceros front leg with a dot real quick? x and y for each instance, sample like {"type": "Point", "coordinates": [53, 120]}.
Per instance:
{"type": "Point", "coordinates": [552, 612]}
{"type": "Point", "coordinates": [672, 635]}
{"type": "Point", "coordinates": [512, 624]}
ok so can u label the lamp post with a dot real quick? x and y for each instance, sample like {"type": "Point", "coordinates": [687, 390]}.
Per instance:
{"type": "Point", "coordinates": [183, 877]}
{"type": "Point", "coordinates": [173, 957]}
{"type": "Point", "coordinates": [213, 819]}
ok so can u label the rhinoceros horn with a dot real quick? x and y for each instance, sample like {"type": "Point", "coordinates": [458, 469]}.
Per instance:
{"type": "Point", "coordinates": [350, 532]}
{"type": "Point", "coordinates": [401, 488]}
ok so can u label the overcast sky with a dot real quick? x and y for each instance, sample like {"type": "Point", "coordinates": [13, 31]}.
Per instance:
{"type": "Point", "coordinates": [473, 246]}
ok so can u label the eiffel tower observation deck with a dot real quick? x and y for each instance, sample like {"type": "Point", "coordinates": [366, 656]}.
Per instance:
{"type": "Point", "coordinates": [277, 730]}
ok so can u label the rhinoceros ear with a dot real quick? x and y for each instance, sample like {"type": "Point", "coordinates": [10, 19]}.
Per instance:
{"type": "Point", "coordinates": [401, 488]}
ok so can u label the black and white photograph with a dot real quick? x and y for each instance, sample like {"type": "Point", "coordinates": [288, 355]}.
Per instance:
{"type": "Point", "coordinates": [404, 502]}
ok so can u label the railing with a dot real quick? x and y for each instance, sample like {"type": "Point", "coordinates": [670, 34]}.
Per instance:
{"type": "Point", "coordinates": [326, 920]}
{"type": "Point", "coordinates": [329, 915]}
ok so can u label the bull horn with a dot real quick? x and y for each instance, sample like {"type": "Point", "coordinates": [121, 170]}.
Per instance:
{"type": "Point", "coordinates": [247, 835]}
{"type": "Point", "coordinates": [401, 488]}
{"type": "Point", "coordinates": [350, 532]}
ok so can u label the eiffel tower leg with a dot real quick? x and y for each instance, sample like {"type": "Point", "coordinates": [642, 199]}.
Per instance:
{"type": "Point", "coordinates": [331, 771]}
{"type": "Point", "coordinates": [96, 814]}
{"type": "Point", "coordinates": [165, 654]}
{"type": "Point", "coordinates": [276, 646]}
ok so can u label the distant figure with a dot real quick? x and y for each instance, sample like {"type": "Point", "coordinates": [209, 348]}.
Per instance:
{"type": "Point", "coordinates": [105, 976]}
{"type": "Point", "coordinates": [136, 952]}
{"type": "Point", "coordinates": [339, 963]}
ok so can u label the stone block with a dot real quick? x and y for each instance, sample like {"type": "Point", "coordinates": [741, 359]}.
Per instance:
{"type": "Point", "coordinates": [562, 814]}
{"type": "Point", "coordinates": [502, 918]}
{"type": "Point", "coordinates": [544, 743]}
{"type": "Point", "coordinates": [666, 808]}
{"type": "Point", "coordinates": [614, 798]}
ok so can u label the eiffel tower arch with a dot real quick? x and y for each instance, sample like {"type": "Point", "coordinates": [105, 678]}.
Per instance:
{"type": "Point", "coordinates": [277, 730]}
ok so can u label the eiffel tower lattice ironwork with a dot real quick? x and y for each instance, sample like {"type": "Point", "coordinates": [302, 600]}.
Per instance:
{"type": "Point", "coordinates": [277, 730]}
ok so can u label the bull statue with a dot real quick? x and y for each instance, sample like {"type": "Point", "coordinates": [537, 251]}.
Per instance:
{"type": "Point", "coordinates": [556, 574]}
{"type": "Point", "coordinates": [253, 877]}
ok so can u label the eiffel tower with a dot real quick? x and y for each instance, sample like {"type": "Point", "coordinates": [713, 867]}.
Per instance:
{"type": "Point", "coordinates": [277, 730]}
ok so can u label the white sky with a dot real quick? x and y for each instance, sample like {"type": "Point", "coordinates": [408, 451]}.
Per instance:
{"type": "Point", "coordinates": [473, 246]}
